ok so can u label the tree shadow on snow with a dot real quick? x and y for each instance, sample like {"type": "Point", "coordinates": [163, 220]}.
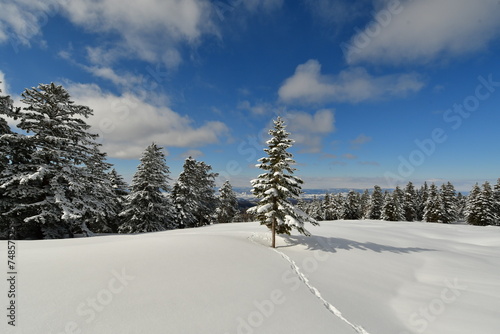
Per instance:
{"type": "Point", "coordinates": [333, 244]}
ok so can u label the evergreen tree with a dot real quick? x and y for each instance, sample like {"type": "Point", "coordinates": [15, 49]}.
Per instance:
{"type": "Point", "coordinates": [147, 208]}
{"type": "Point", "coordinates": [409, 203]}
{"type": "Point", "coordinates": [193, 194]}
{"type": "Point", "coordinates": [228, 204]}
{"type": "Point", "coordinates": [328, 208]}
{"type": "Point", "coordinates": [352, 206]}
{"type": "Point", "coordinates": [461, 206]}
{"type": "Point", "coordinates": [185, 196]}
{"type": "Point", "coordinates": [448, 204]}
{"type": "Point", "coordinates": [120, 190]}
{"type": "Point", "coordinates": [480, 206]}
{"type": "Point", "coordinates": [277, 186]}
{"type": "Point", "coordinates": [51, 180]}
{"type": "Point", "coordinates": [433, 206]}
{"type": "Point", "coordinates": [422, 196]}
{"type": "Point", "coordinates": [5, 152]}
{"type": "Point", "coordinates": [487, 202]}
{"type": "Point", "coordinates": [364, 204]}
{"type": "Point", "coordinates": [472, 208]}
{"type": "Point", "coordinates": [376, 203]}
{"type": "Point", "coordinates": [315, 209]}
{"type": "Point", "coordinates": [338, 206]}
{"type": "Point", "coordinates": [392, 210]}
{"type": "Point", "coordinates": [103, 218]}
{"type": "Point", "coordinates": [496, 201]}
{"type": "Point", "coordinates": [207, 201]}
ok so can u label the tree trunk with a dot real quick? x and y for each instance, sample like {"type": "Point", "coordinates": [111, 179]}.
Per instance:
{"type": "Point", "coordinates": [273, 232]}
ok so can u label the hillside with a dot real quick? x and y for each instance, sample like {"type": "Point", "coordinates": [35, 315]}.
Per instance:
{"type": "Point", "coordinates": [349, 277]}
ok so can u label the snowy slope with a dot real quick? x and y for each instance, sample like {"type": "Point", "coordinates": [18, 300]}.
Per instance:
{"type": "Point", "coordinates": [349, 277]}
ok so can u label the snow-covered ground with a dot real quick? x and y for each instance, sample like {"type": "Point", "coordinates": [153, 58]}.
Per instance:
{"type": "Point", "coordinates": [349, 277]}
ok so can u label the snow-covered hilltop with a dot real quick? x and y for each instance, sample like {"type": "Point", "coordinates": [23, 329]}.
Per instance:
{"type": "Point", "coordinates": [349, 277]}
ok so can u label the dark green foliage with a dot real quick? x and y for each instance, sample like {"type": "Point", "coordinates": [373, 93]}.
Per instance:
{"type": "Point", "coordinates": [146, 208]}
{"type": "Point", "coordinates": [410, 203]}
{"type": "Point", "coordinates": [193, 195]}
{"type": "Point", "coordinates": [376, 203]}
{"type": "Point", "coordinates": [433, 210]}
{"type": "Point", "coordinates": [228, 204]}
{"type": "Point", "coordinates": [481, 206]}
{"type": "Point", "coordinates": [352, 206]}
{"type": "Point", "coordinates": [392, 210]}
{"type": "Point", "coordinates": [55, 176]}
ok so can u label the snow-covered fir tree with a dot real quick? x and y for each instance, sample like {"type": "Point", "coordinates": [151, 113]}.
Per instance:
{"type": "Point", "coordinates": [433, 210]}
{"type": "Point", "coordinates": [228, 204]}
{"type": "Point", "coordinates": [487, 202]}
{"type": "Point", "coordinates": [328, 208]}
{"type": "Point", "coordinates": [51, 181]}
{"type": "Point", "coordinates": [400, 195]}
{"type": "Point", "coordinates": [448, 199]}
{"type": "Point", "coordinates": [392, 209]}
{"type": "Point", "coordinates": [119, 185]}
{"type": "Point", "coordinates": [338, 206]}
{"type": "Point", "coordinates": [472, 210]}
{"type": "Point", "coordinates": [364, 203]}
{"type": "Point", "coordinates": [409, 202]}
{"type": "Point", "coordinates": [193, 195]}
{"type": "Point", "coordinates": [121, 190]}
{"type": "Point", "coordinates": [277, 186]}
{"type": "Point", "coordinates": [352, 206]}
{"type": "Point", "coordinates": [5, 153]}
{"type": "Point", "coordinates": [461, 206]}
{"type": "Point", "coordinates": [496, 201]}
{"type": "Point", "coordinates": [184, 195]}
{"type": "Point", "coordinates": [422, 195]}
{"type": "Point", "coordinates": [101, 220]}
{"type": "Point", "coordinates": [315, 209]}
{"type": "Point", "coordinates": [376, 204]}
{"type": "Point", "coordinates": [480, 206]}
{"type": "Point", "coordinates": [207, 200]}
{"type": "Point", "coordinates": [147, 208]}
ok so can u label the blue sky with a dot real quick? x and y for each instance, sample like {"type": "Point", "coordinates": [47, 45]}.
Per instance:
{"type": "Point", "coordinates": [373, 91]}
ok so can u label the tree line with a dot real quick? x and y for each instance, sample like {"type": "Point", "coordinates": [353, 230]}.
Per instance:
{"type": "Point", "coordinates": [427, 203]}
{"type": "Point", "coordinates": [55, 182]}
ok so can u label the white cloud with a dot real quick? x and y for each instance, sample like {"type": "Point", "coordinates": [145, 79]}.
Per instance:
{"type": "Point", "coordinates": [309, 85]}
{"type": "Point", "coordinates": [425, 30]}
{"type": "Point", "coordinates": [259, 108]}
{"type": "Point", "coordinates": [22, 20]}
{"type": "Point", "coordinates": [311, 182]}
{"type": "Point", "coordinates": [336, 12]}
{"type": "Point", "coordinates": [3, 85]}
{"type": "Point", "coordinates": [349, 156]}
{"type": "Point", "coordinates": [150, 30]}
{"type": "Point", "coordinates": [308, 130]}
{"type": "Point", "coordinates": [126, 124]}
{"type": "Point", "coordinates": [360, 140]}
{"type": "Point", "coordinates": [124, 79]}
{"type": "Point", "coordinates": [192, 153]}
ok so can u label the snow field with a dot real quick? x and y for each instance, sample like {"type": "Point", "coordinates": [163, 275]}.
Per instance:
{"type": "Point", "coordinates": [349, 277]}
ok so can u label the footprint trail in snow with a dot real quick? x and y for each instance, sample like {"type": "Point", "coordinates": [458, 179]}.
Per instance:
{"type": "Point", "coordinates": [335, 311]}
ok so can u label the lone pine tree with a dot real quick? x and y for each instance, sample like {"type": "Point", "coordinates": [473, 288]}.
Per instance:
{"type": "Point", "coordinates": [277, 186]}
